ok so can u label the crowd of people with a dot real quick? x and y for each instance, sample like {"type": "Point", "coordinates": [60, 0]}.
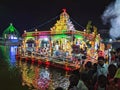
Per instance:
{"type": "Point", "coordinates": [97, 76]}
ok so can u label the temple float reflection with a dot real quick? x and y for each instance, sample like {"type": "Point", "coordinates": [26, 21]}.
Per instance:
{"type": "Point", "coordinates": [42, 78]}
{"type": "Point", "coordinates": [62, 46]}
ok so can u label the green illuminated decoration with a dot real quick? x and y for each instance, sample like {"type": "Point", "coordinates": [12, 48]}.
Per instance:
{"type": "Point", "coordinates": [29, 38]}
{"type": "Point", "coordinates": [78, 36]}
{"type": "Point", "coordinates": [60, 36]}
{"type": "Point", "coordinates": [31, 73]}
{"type": "Point", "coordinates": [63, 31]}
{"type": "Point", "coordinates": [11, 30]}
{"type": "Point", "coordinates": [29, 34]}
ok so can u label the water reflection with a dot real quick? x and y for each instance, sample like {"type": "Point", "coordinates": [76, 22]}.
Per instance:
{"type": "Point", "coordinates": [8, 54]}
{"type": "Point", "coordinates": [12, 55]}
{"type": "Point", "coordinates": [10, 76]}
{"type": "Point", "coordinates": [42, 78]}
{"type": "Point", "coordinates": [27, 75]}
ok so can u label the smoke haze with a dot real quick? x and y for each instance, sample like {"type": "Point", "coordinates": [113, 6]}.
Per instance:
{"type": "Point", "coordinates": [112, 15]}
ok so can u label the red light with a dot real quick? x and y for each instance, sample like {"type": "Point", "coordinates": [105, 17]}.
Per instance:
{"type": "Point", "coordinates": [47, 63]}
{"type": "Point", "coordinates": [39, 62]}
{"type": "Point", "coordinates": [33, 60]}
{"type": "Point", "coordinates": [64, 10]}
{"type": "Point", "coordinates": [26, 59]}
{"type": "Point", "coordinates": [67, 69]}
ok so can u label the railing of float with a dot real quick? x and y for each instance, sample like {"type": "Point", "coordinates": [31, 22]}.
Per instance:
{"type": "Point", "coordinates": [42, 33]}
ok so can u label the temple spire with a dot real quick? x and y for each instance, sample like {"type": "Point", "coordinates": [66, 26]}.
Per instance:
{"type": "Point", "coordinates": [63, 24]}
{"type": "Point", "coordinates": [64, 9]}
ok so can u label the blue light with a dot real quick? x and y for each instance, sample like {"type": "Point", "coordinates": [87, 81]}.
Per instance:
{"type": "Point", "coordinates": [12, 55]}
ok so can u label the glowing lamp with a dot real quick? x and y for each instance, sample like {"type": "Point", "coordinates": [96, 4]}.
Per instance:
{"type": "Point", "coordinates": [15, 38]}
{"type": "Point", "coordinates": [36, 30]}
{"type": "Point", "coordinates": [46, 39]}
{"type": "Point", "coordinates": [11, 37]}
{"type": "Point", "coordinates": [39, 62]}
{"type": "Point", "coordinates": [24, 31]}
{"type": "Point", "coordinates": [47, 63]}
{"type": "Point", "coordinates": [110, 40]}
{"type": "Point", "coordinates": [64, 10]}
{"type": "Point", "coordinates": [67, 69]}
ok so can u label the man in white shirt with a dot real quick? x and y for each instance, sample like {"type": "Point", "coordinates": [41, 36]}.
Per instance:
{"type": "Point", "coordinates": [56, 47]}
{"type": "Point", "coordinates": [102, 68]}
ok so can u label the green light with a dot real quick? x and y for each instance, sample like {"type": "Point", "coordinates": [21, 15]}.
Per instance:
{"type": "Point", "coordinates": [31, 73]}
{"type": "Point", "coordinates": [78, 36]}
{"type": "Point", "coordinates": [11, 30]}
{"type": "Point", "coordinates": [63, 31]}
{"type": "Point", "coordinates": [60, 36]}
{"type": "Point", "coordinates": [5, 52]}
{"type": "Point", "coordinates": [29, 34]}
{"type": "Point", "coordinates": [28, 38]}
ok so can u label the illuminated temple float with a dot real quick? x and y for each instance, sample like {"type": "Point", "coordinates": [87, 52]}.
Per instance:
{"type": "Point", "coordinates": [62, 46]}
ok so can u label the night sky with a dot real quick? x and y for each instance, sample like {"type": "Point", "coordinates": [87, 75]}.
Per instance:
{"type": "Point", "coordinates": [29, 14]}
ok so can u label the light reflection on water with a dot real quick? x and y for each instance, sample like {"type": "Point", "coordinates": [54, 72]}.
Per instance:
{"type": "Point", "coordinates": [12, 55]}
{"type": "Point", "coordinates": [8, 54]}
{"type": "Point", "coordinates": [35, 76]}
{"type": "Point", "coordinates": [40, 77]}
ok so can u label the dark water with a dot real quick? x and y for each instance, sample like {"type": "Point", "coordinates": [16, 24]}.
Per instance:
{"type": "Point", "coordinates": [19, 75]}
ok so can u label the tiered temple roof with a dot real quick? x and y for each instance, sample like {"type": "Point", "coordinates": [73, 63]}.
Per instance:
{"type": "Point", "coordinates": [63, 24]}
